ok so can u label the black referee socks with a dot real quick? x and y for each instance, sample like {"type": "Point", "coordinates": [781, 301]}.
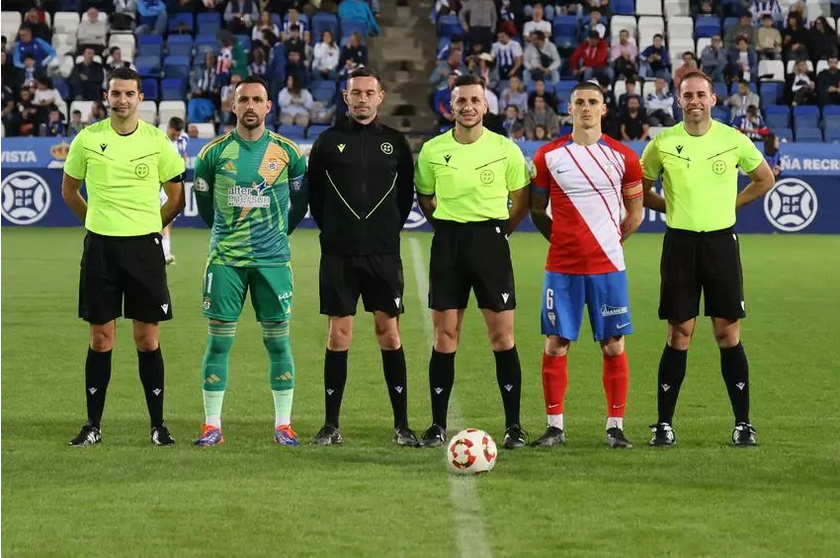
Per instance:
{"type": "Point", "coordinates": [335, 376]}
{"type": "Point", "coordinates": [509, 376]}
{"type": "Point", "coordinates": [441, 378]}
{"type": "Point", "coordinates": [671, 375]}
{"type": "Point", "coordinates": [150, 364]}
{"type": "Point", "coordinates": [735, 371]}
{"type": "Point", "coordinates": [97, 376]}
{"type": "Point", "coordinates": [393, 364]}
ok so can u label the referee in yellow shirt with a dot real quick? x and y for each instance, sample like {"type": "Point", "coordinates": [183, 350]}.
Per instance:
{"type": "Point", "coordinates": [698, 161]}
{"type": "Point", "coordinates": [123, 162]}
{"type": "Point", "coordinates": [464, 179]}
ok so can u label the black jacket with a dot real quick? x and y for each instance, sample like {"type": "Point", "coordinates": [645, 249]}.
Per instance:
{"type": "Point", "coordinates": [361, 185]}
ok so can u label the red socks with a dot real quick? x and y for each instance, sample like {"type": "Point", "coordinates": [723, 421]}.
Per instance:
{"type": "Point", "coordinates": [555, 377]}
{"type": "Point", "coordinates": [615, 377]}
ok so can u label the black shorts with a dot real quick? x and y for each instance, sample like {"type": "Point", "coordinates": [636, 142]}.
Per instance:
{"type": "Point", "coordinates": [378, 278]}
{"type": "Point", "coordinates": [115, 267]}
{"type": "Point", "coordinates": [471, 256]}
{"type": "Point", "coordinates": [693, 262]}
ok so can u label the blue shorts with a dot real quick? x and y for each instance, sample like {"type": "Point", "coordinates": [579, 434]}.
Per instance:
{"type": "Point", "coordinates": [605, 295]}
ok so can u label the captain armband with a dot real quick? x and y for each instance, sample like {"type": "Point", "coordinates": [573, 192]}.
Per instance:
{"type": "Point", "coordinates": [632, 192]}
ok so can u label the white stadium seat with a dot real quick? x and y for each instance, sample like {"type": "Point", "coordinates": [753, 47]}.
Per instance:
{"type": "Point", "coordinates": [676, 8]}
{"type": "Point", "coordinates": [774, 67]}
{"type": "Point", "coordinates": [702, 43]}
{"type": "Point", "coordinates": [125, 42]}
{"type": "Point", "coordinates": [681, 27]}
{"type": "Point", "coordinates": [790, 65]}
{"type": "Point", "coordinates": [168, 109]}
{"type": "Point", "coordinates": [654, 130]}
{"type": "Point", "coordinates": [619, 22]}
{"type": "Point", "coordinates": [83, 107]}
{"type": "Point", "coordinates": [676, 48]}
{"type": "Point", "coordinates": [64, 43]}
{"type": "Point", "coordinates": [206, 130]}
{"type": "Point", "coordinates": [96, 58]}
{"type": "Point", "coordinates": [821, 65]}
{"type": "Point", "coordinates": [148, 112]}
{"type": "Point", "coordinates": [65, 66]}
{"type": "Point", "coordinates": [815, 9]}
{"type": "Point", "coordinates": [649, 7]}
{"type": "Point", "coordinates": [66, 22]}
{"type": "Point", "coordinates": [648, 27]}
{"type": "Point", "coordinates": [619, 88]}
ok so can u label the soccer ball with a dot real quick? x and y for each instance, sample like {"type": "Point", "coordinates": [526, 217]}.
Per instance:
{"type": "Point", "coordinates": [471, 452]}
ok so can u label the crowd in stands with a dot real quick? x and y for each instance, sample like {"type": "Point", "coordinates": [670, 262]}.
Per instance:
{"type": "Point", "coordinates": [57, 56]}
{"type": "Point", "coordinates": [774, 63]}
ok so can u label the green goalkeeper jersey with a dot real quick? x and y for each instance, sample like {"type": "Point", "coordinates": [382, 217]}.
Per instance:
{"type": "Point", "coordinates": [252, 195]}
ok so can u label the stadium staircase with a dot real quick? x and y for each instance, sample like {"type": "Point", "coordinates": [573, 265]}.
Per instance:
{"type": "Point", "coordinates": [404, 54]}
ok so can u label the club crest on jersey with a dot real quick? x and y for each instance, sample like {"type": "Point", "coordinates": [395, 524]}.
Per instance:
{"type": "Point", "coordinates": [249, 196]}
{"type": "Point", "coordinates": [387, 148]}
{"type": "Point", "coordinates": [272, 165]}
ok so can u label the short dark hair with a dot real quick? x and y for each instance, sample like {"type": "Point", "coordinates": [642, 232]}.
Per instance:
{"type": "Point", "coordinates": [456, 39]}
{"type": "Point", "coordinates": [294, 27]}
{"type": "Point", "coordinates": [254, 79]}
{"type": "Point", "coordinates": [364, 71]}
{"type": "Point", "coordinates": [659, 35]}
{"type": "Point", "coordinates": [468, 79]}
{"type": "Point", "coordinates": [126, 73]}
{"type": "Point", "coordinates": [587, 86]}
{"type": "Point", "coordinates": [700, 75]}
{"type": "Point", "coordinates": [176, 124]}
{"type": "Point", "coordinates": [538, 34]}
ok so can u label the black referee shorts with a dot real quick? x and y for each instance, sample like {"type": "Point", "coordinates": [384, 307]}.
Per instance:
{"type": "Point", "coordinates": [116, 268]}
{"type": "Point", "coordinates": [692, 263]}
{"type": "Point", "coordinates": [471, 256]}
{"type": "Point", "coordinates": [378, 278]}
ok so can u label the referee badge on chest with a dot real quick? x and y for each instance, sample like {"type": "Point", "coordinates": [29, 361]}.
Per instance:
{"type": "Point", "coordinates": [719, 166]}
{"type": "Point", "coordinates": [386, 148]}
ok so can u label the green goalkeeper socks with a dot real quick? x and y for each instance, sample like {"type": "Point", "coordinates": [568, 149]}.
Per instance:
{"type": "Point", "coordinates": [281, 369]}
{"type": "Point", "coordinates": [215, 369]}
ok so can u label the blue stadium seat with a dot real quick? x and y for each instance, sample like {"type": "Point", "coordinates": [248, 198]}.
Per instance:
{"type": "Point", "coordinates": [706, 26]}
{"type": "Point", "coordinates": [62, 87]}
{"type": "Point", "coordinates": [350, 27]}
{"type": "Point", "coordinates": [181, 21]}
{"type": "Point", "coordinates": [148, 66]}
{"type": "Point", "coordinates": [209, 23]}
{"type": "Point", "coordinates": [448, 25]}
{"type": "Point", "coordinates": [734, 88]}
{"type": "Point", "coordinates": [206, 42]}
{"type": "Point", "coordinates": [150, 45]}
{"type": "Point", "coordinates": [832, 135]}
{"type": "Point", "coordinates": [314, 130]}
{"type": "Point", "coordinates": [721, 114]}
{"type": "Point", "coordinates": [180, 45]}
{"type": "Point", "coordinates": [323, 91]}
{"type": "Point", "coordinates": [321, 22]}
{"type": "Point", "coordinates": [720, 92]}
{"type": "Point", "coordinates": [784, 134]}
{"type": "Point", "coordinates": [177, 67]}
{"type": "Point", "coordinates": [770, 92]}
{"type": "Point", "coordinates": [623, 7]}
{"type": "Point", "coordinates": [732, 8]}
{"type": "Point", "coordinates": [564, 31]}
{"type": "Point", "coordinates": [730, 22]}
{"type": "Point", "coordinates": [291, 131]}
{"type": "Point", "coordinates": [150, 89]}
{"type": "Point", "coordinates": [302, 17]}
{"type": "Point", "coordinates": [777, 116]}
{"type": "Point", "coordinates": [811, 135]}
{"type": "Point", "coordinates": [173, 89]}
{"type": "Point", "coordinates": [806, 116]}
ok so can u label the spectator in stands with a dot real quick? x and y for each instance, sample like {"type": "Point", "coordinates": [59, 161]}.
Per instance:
{"type": "Point", "coordinates": [354, 50]}
{"type": "Point", "coordinates": [706, 8]}
{"type": "Point", "coordinates": [515, 94]}
{"type": "Point", "coordinates": [192, 131]}
{"type": "Point", "coordinates": [606, 92]}
{"type": "Point", "coordinates": [478, 18]}
{"type": "Point", "coordinates": [325, 59]}
{"type": "Point", "coordinates": [542, 115]}
{"type": "Point", "coordinates": [823, 40]}
{"type": "Point", "coordinates": [772, 154]}
{"type": "Point", "coordinates": [741, 100]}
{"type": "Point", "coordinates": [689, 65]}
{"type": "Point", "coordinates": [124, 16]}
{"type": "Point", "coordinates": [443, 103]}
{"type": "Point", "coordinates": [588, 5]}
{"type": "Point", "coordinates": [511, 118]}
{"type": "Point", "coordinates": [508, 56]}
{"type": "Point", "coordinates": [359, 11]}
{"type": "Point", "coordinates": [54, 125]}
{"type": "Point", "coordinates": [590, 59]}
{"type": "Point", "coordinates": [41, 51]}
{"type": "Point", "coordinates": [743, 29]}
{"type": "Point", "coordinates": [39, 29]}
{"type": "Point", "coordinates": [241, 15]}
{"type": "Point", "coordinates": [542, 61]}
{"type": "Point", "coordinates": [511, 17]}
{"type": "Point", "coordinates": [660, 105]}
{"type": "Point", "coordinates": [97, 112]}
{"type": "Point", "coordinates": [456, 42]}
{"type": "Point", "coordinates": [594, 23]}
{"type": "Point", "coordinates": [30, 71]}
{"type": "Point", "coordinates": [623, 55]}
{"type": "Point", "coordinates": [540, 133]}
{"type": "Point", "coordinates": [492, 101]}
{"type": "Point", "coordinates": [115, 61]}
{"type": "Point", "coordinates": [92, 32]}
{"type": "Point", "coordinates": [795, 39]}
{"type": "Point", "coordinates": [75, 126]}
{"type": "Point", "coordinates": [828, 83]}
{"type": "Point", "coordinates": [264, 24]}
{"type": "Point", "coordinates": [517, 132]}
{"type": "Point", "coordinates": [294, 43]}
{"type": "Point", "coordinates": [484, 67]}
{"type": "Point", "coordinates": [540, 91]}
{"type": "Point", "coordinates": [629, 93]}
{"type": "Point", "coordinates": [204, 83]}
{"type": "Point", "coordinates": [768, 40]}
{"type": "Point", "coordinates": [760, 7]}
{"type": "Point", "coordinates": [258, 65]}
{"type": "Point", "coordinates": [296, 66]}
{"type": "Point", "coordinates": [634, 122]}
{"type": "Point", "coordinates": [443, 70]}
{"type": "Point", "coordinates": [11, 76]}
{"type": "Point", "coordinates": [151, 17]}
{"type": "Point", "coordinates": [713, 59]}
{"type": "Point", "coordinates": [798, 8]}
{"type": "Point", "coordinates": [226, 96]}
{"type": "Point", "coordinates": [294, 102]}
{"type": "Point", "coordinates": [46, 95]}
{"type": "Point", "coordinates": [743, 62]}
{"type": "Point", "coordinates": [28, 113]}
{"type": "Point", "coordinates": [751, 124]}
{"type": "Point", "coordinates": [537, 23]}
{"type": "Point", "coordinates": [293, 18]}
{"type": "Point", "coordinates": [87, 78]}
{"type": "Point", "coordinates": [802, 87]}
{"type": "Point", "coordinates": [11, 115]}
{"type": "Point", "coordinates": [655, 61]}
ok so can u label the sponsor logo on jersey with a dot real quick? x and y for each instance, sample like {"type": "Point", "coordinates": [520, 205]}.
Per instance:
{"type": "Point", "coordinates": [249, 196]}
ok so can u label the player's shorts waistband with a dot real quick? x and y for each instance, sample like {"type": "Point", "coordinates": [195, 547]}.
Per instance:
{"type": "Point", "coordinates": [684, 232]}
{"type": "Point", "coordinates": [451, 225]}
{"type": "Point", "coordinates": [123, 238]}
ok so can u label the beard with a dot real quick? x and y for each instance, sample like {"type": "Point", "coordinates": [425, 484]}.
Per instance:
{"type": "Point", "coordinates": [250, 125]}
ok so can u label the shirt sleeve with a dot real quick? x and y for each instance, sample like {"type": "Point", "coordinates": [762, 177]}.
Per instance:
{"type": "Point", "coordinates": [171, 165]}
{"type": "Point", "coordinates": [75, 166]}
{"type": "Point", "coordinates": [651, 162]}
{"type": "Point", "coordinates": [749, 157]}
{"type": "Point", "coordinates": [203, 186]}
{"type": "Point", "coordinates": [424, 176]}
{"type": "Point", "coordinates": [517, 175]}
{"type": "Point", "coordinates": [298, 192]}
{"type": "Point", "coordinates": [632, 169]}
{"type": "Point", "coordinates": [540, 176]}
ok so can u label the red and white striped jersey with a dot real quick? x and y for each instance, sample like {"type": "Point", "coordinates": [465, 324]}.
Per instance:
{"type": "Point", "coordinates": [585, 184]}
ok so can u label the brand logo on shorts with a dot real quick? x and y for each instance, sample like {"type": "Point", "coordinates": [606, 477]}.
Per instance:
{"type": "Point", "coordinates": [249, 196]}
{"type": "Point", "coordinates": [206, 303]}
{"type": "Point", "coordinates": [157, 391]}
{"type": "Point", "coordinates": [719, 167]}
{"type": "Point", "coordinates": [387, 148]}
{"type": "Point", "coordinates": [505, 297]}
{"type": "Point", "coordinates": [791, 205]}
{"type": "Point", "coordinates": [26, 198]}
{"type": "Point", "coordinates": [284, 296]}
{"type": "Point", "coordinates": [397, 301]}
{"type": "Point", "coordinates": [486, 176]}
{"type": "Point", "coordinates": [398, 389]}
{"type": "Point", "coordinates": [741, 385]}
{"type": "Point", "coordinates": [330, 391]}
{"type": "Point", "coordinates": [141, 170]}
{"type": "Point", "coordinates": [622, 326]}
{"type": "Point", "coordinates": [552, 318]}
{"type": "Point", "coordinates": [607, 310]}
{"type": "Point", "coordinates": [165, 307]}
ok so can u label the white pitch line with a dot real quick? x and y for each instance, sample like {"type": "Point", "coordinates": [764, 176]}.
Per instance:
{"type": "Point", "coordinates": [469, 519]}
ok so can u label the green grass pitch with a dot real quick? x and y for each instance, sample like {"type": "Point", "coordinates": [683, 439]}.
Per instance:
{"type": "Point", "coordinates": [250, 497]}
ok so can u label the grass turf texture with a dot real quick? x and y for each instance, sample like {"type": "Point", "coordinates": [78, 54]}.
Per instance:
{"type": "Point", "coordinates": [369, 498]}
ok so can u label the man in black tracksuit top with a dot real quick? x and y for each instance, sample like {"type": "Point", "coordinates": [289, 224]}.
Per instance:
{"type": "Point", "coordinates": [361, 181]}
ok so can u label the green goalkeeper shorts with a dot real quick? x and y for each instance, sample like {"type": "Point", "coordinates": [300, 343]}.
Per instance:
{"type": "Point", "coordinates": [225, 288]}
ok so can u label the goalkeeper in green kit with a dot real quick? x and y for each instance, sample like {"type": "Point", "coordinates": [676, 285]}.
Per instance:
{"type": "Point", "coordinates": [249, 189]}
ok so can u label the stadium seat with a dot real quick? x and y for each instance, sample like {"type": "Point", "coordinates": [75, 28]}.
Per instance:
{"type": "Point", "coordinates": [831, 114]}
{"type": "Point", "coordinates": [733, 88]}
{"type": "Point", "coordinates": [168, 109]}
{"type": "Point", "coordinates": [617, 23]}
{"type": "Point", "coordinates": [619, 87]}
{"type": "Point", "coordinates": [148, 66]}
{"type": "Point", "coordinates": [179, 45]}
{"type": "Point", "coordinates": [623, 7]}
{"type": "Point", "coordinates": [730, 22]}
{"type": "Point", "coordinates": [784, 134]}
{"type": "Point", "coordinates": [314, 130]}
{"type": "Point", "coordinates": [564, 31]}
{"type": "Point", "coordinates": [676, 48]}
{"type": "Point", "coordinates": [813, 10]}
{"type": "Point", "coordinates": [721, 92]}
{"type": "Point", "coordinates": [774, 69]}
{"type": "Point", "coordinates": [702, 43]}
{"type": "Point", "coordinates": [64, 43]}
{"type": "Point", "coordinates": [150, 45]}
{"type": "Point", "coordinates": [173, 89]}
{"type": "Point", "coordinates": [806, 116]}
{"type": "Point", "coordinates": [777, 116]}
{"type": "Point", "coordinates": [791, 63]}
{"type": "Point", "coordinates": [832, 136]}
{"type": "Point", "coordinates": [151, 91]}
{"type": "Point", "coordinates": [10, 23]}
{"type": "Point", "coordinates": [177, 67]}
{"type": "Point", "coordinates": [291, 131]}
{"type": "Point", "coordinates": [323, 91]}
{"type": "Point", "coordinates": [771, 92]}
{"type": "Point", "coordinates": [60, 84]}
{"type": "Point", "coordinates": [148, 112]}
{"type": "Point", "coordinates": [676, 8]}
{"type": "Point", "coordinates": [706, 26]}
{"type": "Point", "coordinates": [721, 114]}
{"type": "Point", "coordinates": [63, 22]}
{"type": "Point", "coordinates": [321, 22]}
{"type": "Point", "coordinates": [681, 27]}
{"type": "Point", "coordinates": [732, 8]}
{"type": "Point", "coordinates": [206, 130]}
{"type": "Point", "coordinates": [208, 23]}
{"type": "Point", "coordinates": [181, 22]}
{"type": "Point", "coordinates": [809, 135]}
{"type": "Point", "coordinates": [70, 6]}
{"type": "Point", "coordinates": [206, 42]}
{"type": "Point", "coordinates": [83, 107]}
{"type": "Point", "coordinates": [649, 7]}
{"type": "Point", "coordinates": [821, 65]}
{"type": "Point", "coordinates": [648, 27]}
{"type": "Point", "coordinates": [125, 42]}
